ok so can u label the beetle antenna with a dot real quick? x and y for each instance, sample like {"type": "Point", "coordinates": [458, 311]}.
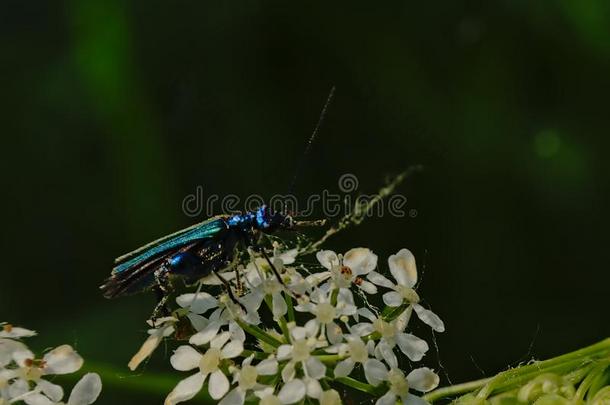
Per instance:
{"type": "Point", "coordinates": [311, 139]}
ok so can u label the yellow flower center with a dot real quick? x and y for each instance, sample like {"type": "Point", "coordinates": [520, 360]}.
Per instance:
{"type": "Point", "coordinates": [210, 361]}
{"type": "Point", "coordinates": [247, 377]}
{"type": "Point", "coordinates": [325, 313]}
{"type": "Point", "coordinates": [357, 351]}
{"type": "Point", "coordinates": [300, 350]}
{"type": "Point", "coordinates": [33, 369]}
{"type": "Point", "coordinates": [398, 383]}
{"type": "Point", "coordinates": [384, 328]}
{"type": "Point", "coordinates": [272, 286]}
{"type": "Point", "coordinates": [408, 294]}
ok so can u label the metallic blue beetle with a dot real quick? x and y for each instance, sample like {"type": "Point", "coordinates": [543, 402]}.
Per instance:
{"type": "Point", "coordinates": [192, 253]}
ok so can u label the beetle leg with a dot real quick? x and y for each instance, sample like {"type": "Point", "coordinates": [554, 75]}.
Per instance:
{"type": "Point", "coordinates": [229, 290]}
{"type": "Point", "coordinates": [162, 289]}
{"type": "Point", "coordinates": [278, 275]}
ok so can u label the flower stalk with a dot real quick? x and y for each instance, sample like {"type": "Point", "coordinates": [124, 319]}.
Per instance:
{"type": "Point", "coordinates": [584, 365]}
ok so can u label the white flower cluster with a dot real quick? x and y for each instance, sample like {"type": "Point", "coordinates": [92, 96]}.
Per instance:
{"type": "Point", "coordinates": [303, 336]}
{"type": "Point", "coordinates": [22, 375]}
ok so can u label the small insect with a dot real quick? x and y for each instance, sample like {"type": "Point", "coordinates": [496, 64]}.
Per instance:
{"type": "Point", "coordinates": [206, 248]}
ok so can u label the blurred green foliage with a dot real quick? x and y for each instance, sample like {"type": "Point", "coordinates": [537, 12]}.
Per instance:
{"type": "Point", "coordinates": [115, 111]}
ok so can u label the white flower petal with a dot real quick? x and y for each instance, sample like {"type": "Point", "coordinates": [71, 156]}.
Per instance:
{"type": "Point", "coordinates": [388, 354]}
{"type": "Point", "coordinates": [334, 333]}
{"type": "Point", "coordinates": [267, 367]}
{"type": "Point", "coordinates": [253, 300]}
{"type": "Point", "coordinates": [186, 389]}
{"type": "Point", "coordinates": [232, 349]}
{"type": "Point", "coordinates": [414, 400]}
{"type": "Point", "coordinates": [305, 307]}
{"type": "Point", "coordinates": [279, 306]}
{"type": "Point", "coordinates": [15, 332]}
{"type": "Point", "coordinates": [205, 335]}
{"type": "Point", "coordinates": [315, 368]}
{"type": "Point", "coordinates": [284, 352]}
{"type": "Point", "coordinates": [62, 360]}
{"type": "Point", "coordinates": [327, 258]}
{"type": "Point", "coordinates": [198, 321]}
{"type": "Point", "coordinates": [374, 371]}
{"type": "Point", "coordinates": [218, 385]}
{"type": "Point", "coordinates": [311, 328]}
{"type": "Point", "coordinates": [37, 399]}
{"type": "Point", "coordinates": [423, 379]}
{"type": "Point", "coordinates": [313, 388]}
{"type": "Point", "coordinates": [298, 333]}
{"type": "Point", "coordinates": [53, 391]}
{"type": "Point", "coordinates": [316, 278]}
{"type": "Point", "coordinates": [198, 303]}
{"type": "Point", "coordinates": [235, 397]}
{"type": "Point", "coordinates": [288, 256]}
{"type": "Point", "coordinates": [388, 399]}
{"type": "Point", "coordinates": [292, 392]}
{"type": "Point", "coordinates": [86, 390]}
{"type": "Point", "coordinates": [360, 260]}
{"type": "Point", "coordinates": [392, 299]}
{"type": "Point", "coordinates": [344, 368]}
{"type": "Point", "coordinates": [414, 347]}
{"type": "Point", "coordinates": [402, 320]}
{"type": "Point", "coordinates": [264, 392]}
{"type": "Point", "coordinates": [368, 287]}
{"type": "Point", "coordinates": [185, 358]}
{"type": "Point", "coordinates": [288, 372]}
{"type": "Point", "coordinates": [363, 329]}
{"type": "Point", "coordinates": [429, 318]}
{"type": "Point", "coordinates": [149, 346]}
{"type": "Point", "coordinates": [403, 268]}
{"type": "Point", "coordinates": [367, 313]}
{"type": "Point", "coordinates": [18, 388]}
{"type": "Point", "coordinates": [237, 333]}
{"type": "Point", "coordinates": [345, 298]}
{"type": "Point", "coordinates": [13, 350]}
{"type": "Point", "coordinates": [220, 339]}
{"type": "Point", "coordinates": [379, 279]}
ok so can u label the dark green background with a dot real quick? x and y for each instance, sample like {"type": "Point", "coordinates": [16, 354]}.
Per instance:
{"type": "Point", "coordinates": [113, 112]}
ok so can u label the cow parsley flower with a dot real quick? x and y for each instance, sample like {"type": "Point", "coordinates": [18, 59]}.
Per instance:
{"type": "Point", "coordinates": [320, 304]}
{"type": "Point", "coordinates": [349, 269]}
{"type": "Point", "coordinates": [246, 378]}
{"type": "Point", "coordinates": [354, 351]}
{"type": "Point", "coordinates": [392, 334]}
{"type": "Point", "coordinates": [421, 379]}
{"type": "Point", "coordinates": [21, 373]}
{"type": "Point", "coordinates": [186, 358]}
{"type": "Point", "coordinates": [304, 341]}
{"type": "Point", "coordinates": [224, 315]}
{"type": "Point", "coordinates": [403, 268]}
{"type": "Point", "coordinates": [309, 329]}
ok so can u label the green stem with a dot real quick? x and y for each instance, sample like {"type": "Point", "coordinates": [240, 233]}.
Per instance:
{"type": "Point", "coordinates": [330, 358]}
{"type": "Point", "coordinates": [589, 379]}
{"type": "Point", "coordinates": [333, 297]}
{"type": "Point", "coordinates": [359, 385]}
{"type": "Point", "coordinates": [121, 378]}
{"type": "Point", "coordinates": [513, 378]}
{"type": "Point", "coordinates": [455, 390]}
{"type": "Point", "coordinates": [290, 305]}
{"type": "Point", "coordinates": [257, 355]}
{"type": "Point", "coordinates": [258, 333]}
